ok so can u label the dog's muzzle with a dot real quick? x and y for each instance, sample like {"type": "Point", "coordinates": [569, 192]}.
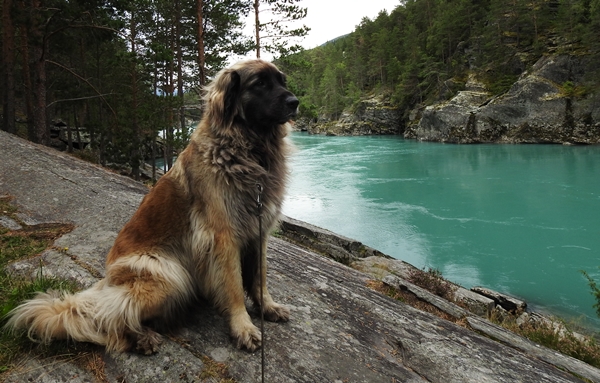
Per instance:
{"type": "Point", "coordinates": [291, 103]}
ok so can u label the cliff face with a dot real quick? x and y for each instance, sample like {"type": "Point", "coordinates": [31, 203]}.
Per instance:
{"type": "Point", "coordinates": [547, 104]}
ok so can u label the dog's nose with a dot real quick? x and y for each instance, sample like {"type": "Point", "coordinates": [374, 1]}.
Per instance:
{"type": "Point", "coordinates": [292, 102]}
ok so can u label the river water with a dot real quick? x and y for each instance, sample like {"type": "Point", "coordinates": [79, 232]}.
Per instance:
{"type": "Point", "coordinates": [519, 219]}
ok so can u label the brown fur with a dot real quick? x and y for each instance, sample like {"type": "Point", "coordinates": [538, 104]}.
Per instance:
{"type": "Point", "coordinates": [196, 233]}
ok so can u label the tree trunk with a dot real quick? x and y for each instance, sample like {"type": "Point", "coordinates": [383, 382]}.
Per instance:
{"type": "Point", "coordinates": [134, 157]}
{"type": "Point", "coordinates": [27, 80]}
{"type": "Point", "coordinates": [201, 58]}
{"type": "Point", "coordinates": [69, 138]}
{"type": "Point", "coordinates": [77, 129]}
{"type": "Point", "coordinates": [23, 32]}
{"type": "Point", "coordinates": [180, 70]}
{"type": "Point", "coordinates": [8, 63]}
{"type": "Point", "coordinates": [40, 126]}
{"type": "Point", "coordinates": [39, 51]}
{"type": "Point", "coordinates": [257, 27]}
{"type": "Point", "coordinates": [153, 159]}
{"type": "Point", "coordinates": [169, 143]}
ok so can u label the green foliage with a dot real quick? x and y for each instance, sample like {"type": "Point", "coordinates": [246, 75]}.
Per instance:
{"type": "Point", "coordinates": [595, 290]}
{"type": "Point", "coordinates": [555, 335]}
{"type": "Point", "coordinates": [280, 33]}
{"type": "Point", "coordinates": [412, 52]}
{"type": "Point", "coordinates": [123, 70]}
{"type": "Point", "coordinates": [571, 90]}
{"type": "Point", "coordinates": [433, 281]}
{"type": "Point", "coordinates": [14, 245]}
{"type": "Point", "coordinates": [500, 83]}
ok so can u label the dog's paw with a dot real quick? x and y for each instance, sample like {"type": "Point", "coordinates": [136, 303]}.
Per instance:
{"type": "Point", "coordinates": [247, 337]}
{"type": "Point", "coordinates": [148, 342]}
{"type": "Point", "coordinates": [276, 313]}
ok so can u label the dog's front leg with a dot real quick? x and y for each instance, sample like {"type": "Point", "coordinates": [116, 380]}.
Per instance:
{"type": "Point", "coordinates": [225, 280]}
{"type": "Point", "coordinates": [272, 311]}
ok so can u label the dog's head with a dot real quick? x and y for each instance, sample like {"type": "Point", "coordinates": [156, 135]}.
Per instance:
{"type": "Point", "coordinates": [252, 92]}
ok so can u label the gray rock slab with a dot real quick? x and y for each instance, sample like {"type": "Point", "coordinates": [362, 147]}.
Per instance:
{"type": "Point", "coordinates": [381, 267]}
{"type": "Point", "coordinates": [442, 304]}
{"type": "Point", "coordinates": [335, 246]}
{"type": "Point", "coordinates": [533, 110]}
{"type": "Point", "coordinates": [476, 303]}
{"type": "Point", "coordinates": [506, 301]}
{"type": "Point", "coordinates": [9, 223]}
{"type": "Point", "coordinates": [173, 364]}
{"type": "Point", "coordinates": [50, 370]}
{"type": "Point", "coordinates": [569, 364]}
{"type": "Point", "coordinates": [339, 330]}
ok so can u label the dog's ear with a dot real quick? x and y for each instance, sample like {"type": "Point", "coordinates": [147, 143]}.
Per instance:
{"type": "Point", "coordinates": [223, 97]}
{"type": "Point", "coordinates": [231, 95]}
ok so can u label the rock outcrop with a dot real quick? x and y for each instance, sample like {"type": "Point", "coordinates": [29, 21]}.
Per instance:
{"type": "Point", "coordinates": [340, 329]}
{"type": "Point", "coordinates": [371, 116]}
{"type": "Point", "coordinates": [548, 104]}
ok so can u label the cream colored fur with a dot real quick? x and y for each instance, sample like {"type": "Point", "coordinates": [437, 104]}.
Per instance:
{"type": "Point", "coordinates": [195, 234]}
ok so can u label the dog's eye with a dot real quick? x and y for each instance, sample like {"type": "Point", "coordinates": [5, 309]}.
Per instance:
{"type": "Point", "coordinates": [260, 83]}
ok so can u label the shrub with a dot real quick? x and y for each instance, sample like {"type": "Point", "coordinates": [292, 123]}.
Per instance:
{"type": "Point", "coordinates": [594, 290]}
{"type": "Point", "coordinates": [432, 280]}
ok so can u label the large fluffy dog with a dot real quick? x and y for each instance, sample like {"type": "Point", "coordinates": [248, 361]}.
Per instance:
{"type": "Point", "coordinates": [196, 233]}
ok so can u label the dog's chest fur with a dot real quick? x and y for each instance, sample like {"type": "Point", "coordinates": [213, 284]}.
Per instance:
{"type": "Point", "coordinates": [238, 169]}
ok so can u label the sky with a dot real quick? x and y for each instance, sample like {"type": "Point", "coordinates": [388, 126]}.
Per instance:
{"type": "Point", "coordinates": [329, 19]}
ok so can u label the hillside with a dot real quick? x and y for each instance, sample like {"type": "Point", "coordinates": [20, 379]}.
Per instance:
{"type": "Point", "coordinates": [434, 53]}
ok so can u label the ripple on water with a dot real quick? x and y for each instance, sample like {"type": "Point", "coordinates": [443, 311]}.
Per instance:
{"type": "Point", "coordinates": [515, 218]}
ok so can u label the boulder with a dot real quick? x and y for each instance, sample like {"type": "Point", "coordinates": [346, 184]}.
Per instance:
{"type": "Point", "coordinates": [476, 303]}
{"type": "Point", "coordinates": [508, 303]}
{"type": "Point", "coordinates": [342, 249]}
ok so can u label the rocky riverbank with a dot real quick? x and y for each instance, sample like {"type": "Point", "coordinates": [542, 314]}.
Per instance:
{"type": "Point", "coordinates": [376, 115]}
{"type": "Point", "coordinates": [340, 328]}
{"type": "Point", "coordinates": [549, 103]}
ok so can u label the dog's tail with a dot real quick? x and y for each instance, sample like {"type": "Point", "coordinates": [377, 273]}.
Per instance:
{"type": "Point", "coordinates": [101, 314]}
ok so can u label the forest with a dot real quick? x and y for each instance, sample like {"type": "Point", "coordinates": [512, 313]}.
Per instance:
{"type": "Point", "coordinates": [131, 71]}
{"type": "Point", "coordinates": [125, 70]}
{"type": "Point", "coordinates": [423, 50]}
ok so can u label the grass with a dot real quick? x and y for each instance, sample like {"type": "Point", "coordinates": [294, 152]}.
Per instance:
{"type": "Point", "coordinates": [15, 348]}
{"type": "Point", "coordinates": [410, 299]}
{"type": "Point", "coordinates": [556, 334]}
{"type": "Point", "coordinates": [433, 281]}
{"type": "Point", "coordinates": [21, 244]}
{"type": "Point", "coordinates": [214, 371]}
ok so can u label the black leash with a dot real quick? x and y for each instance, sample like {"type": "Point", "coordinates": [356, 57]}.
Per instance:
{"type": "Point", "coordinates": [259, 205]}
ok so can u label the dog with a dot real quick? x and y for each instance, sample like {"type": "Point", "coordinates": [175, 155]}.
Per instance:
{"type": "Point", "coordinates": [196, 233]}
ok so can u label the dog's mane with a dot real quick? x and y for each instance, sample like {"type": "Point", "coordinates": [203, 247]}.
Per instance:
{"type": "Point", "coordinates": [246, 153]}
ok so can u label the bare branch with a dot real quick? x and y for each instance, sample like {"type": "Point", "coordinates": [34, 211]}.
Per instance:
{"type": "Point", "coordinates": [79, 98]}
{"type": "Point", "coordinates": [87, 82]}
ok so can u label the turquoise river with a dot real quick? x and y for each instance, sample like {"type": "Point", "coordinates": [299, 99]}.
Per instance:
{"type": "Point", "coordinates": [519, 219]}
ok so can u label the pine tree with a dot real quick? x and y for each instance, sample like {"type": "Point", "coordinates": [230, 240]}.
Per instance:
{"type": "Point", "coordinates": [7, 63]}
{"type": "Point", "coordinates": [275, 32]}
